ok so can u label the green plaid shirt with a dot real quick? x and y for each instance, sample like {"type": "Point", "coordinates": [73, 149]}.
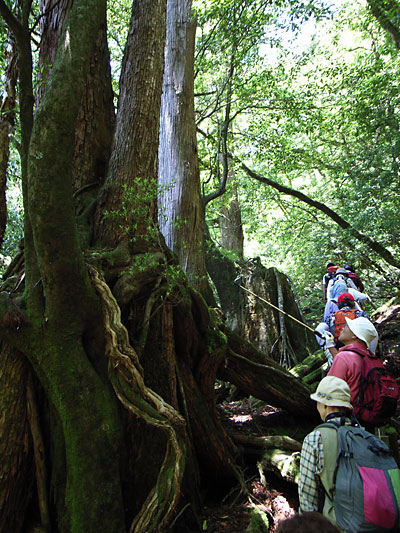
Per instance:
{"type": "Point", "coordinates": [311, 464]}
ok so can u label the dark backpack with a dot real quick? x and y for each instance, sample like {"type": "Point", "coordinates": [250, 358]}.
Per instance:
{"type": "Point", "coordinates": [376, 401]}
{"type": "Point", "coordinates": [340, 319]}
{"type": "Point", "coordinates": [357, 282]}
{"type": "Point", "coordinates": [366, 479]}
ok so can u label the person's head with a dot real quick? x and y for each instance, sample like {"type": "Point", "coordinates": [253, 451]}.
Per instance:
{"type": "Point", "coordinates": [349, 267]}
{"type": "Point", "coordinates": [329, 265]}
{"type": "Point", "coordinates": [310, 522]}
{"type": "Point", "coordinates": [332, 269]}
{"type": "Point", "coordinates": [359, 330]}
{"type": "Point", "coordinates": [332, 395]}
{"type": "Point", "coordinates": [346, 300]}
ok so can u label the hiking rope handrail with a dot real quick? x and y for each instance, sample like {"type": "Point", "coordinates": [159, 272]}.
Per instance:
{"type": "Point", "coordinates": [283, 312]}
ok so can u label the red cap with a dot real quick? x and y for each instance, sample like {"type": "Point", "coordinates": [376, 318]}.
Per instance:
{"type": "Point", "coordinates": [332, 269]}
{"type": "Point", "coordinates": [345, 296]}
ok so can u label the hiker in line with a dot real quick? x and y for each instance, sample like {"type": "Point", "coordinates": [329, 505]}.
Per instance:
{"type": "Point", "coordinates": [347, 364]}
{"type": "Point", "coordinates": [310, 522]}
{"type": "Point", "coordinates": [346, 471]}
{"type": "Point", "coordinates": [340, 278]}
{"type": "Point", "coordinates": [336, 321]}
{"type": "Point", "coordinates": [330, 272]}
{"type": "Point", "coordinates": [354, 277]}
{"type": "Point", "coordinates": [337, 286]}
{"type": "Point", "coordinates": [317, 464]}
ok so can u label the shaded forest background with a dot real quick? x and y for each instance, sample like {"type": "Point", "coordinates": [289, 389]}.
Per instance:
{"type": "Point", "coordinates": [168, 170]}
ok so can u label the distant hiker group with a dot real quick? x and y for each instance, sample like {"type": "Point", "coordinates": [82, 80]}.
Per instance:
{"type": "Point", "coordinates": [346, 472]}
{"type": "Point", "coordinates": [350, 340]}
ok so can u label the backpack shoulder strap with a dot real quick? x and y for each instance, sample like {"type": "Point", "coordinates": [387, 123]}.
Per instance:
{"type": "Point", "coordinates": [329, 437]}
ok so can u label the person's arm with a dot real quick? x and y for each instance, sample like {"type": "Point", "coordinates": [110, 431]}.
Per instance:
{"type": "Point", "coordinates": [333, 350]}
{"type": "Point", "coordinates": [311, 459]}
{"type": "Point", "coordinates": [324, 287]}
{"type": "Point", "coordinates": [359, 297]}
{"type": "Point", "coordinates": [329, 342]}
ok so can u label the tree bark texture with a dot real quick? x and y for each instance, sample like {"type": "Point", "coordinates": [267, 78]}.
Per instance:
{"type": "Point", "coordinates": [16, 456]}
{"type": "Point", "coordinates": [230, 224]}
{"type": "Point", "coordinates": [180, 209]}
{"type": "Point", "coordinates": [130, 192]}
{"type": "Point", "coordinates": [96, 119]}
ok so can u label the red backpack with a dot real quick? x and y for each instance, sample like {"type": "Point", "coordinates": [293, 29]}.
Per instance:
{"type": "Point", "coordinates": [376, 401]}
{"type": "Point", "coordinates": [340, 321]}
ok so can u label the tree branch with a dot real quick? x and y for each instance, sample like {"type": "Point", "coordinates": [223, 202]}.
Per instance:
{"type": "Point", "coordinates": [384, 15]}
{"type": "Point", "coordinates": [374, 245]}
{"type": "Point", "coordinates": [224, 135]}
{"type": "Point", "coordinates": [11, 20]}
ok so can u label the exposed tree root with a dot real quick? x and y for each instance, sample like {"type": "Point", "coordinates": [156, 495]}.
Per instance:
{"type": "Point", "coordinates": [287, 355]}
{"type": "Point", "coordinates": [266, 442]}
{"type": "Point", "coordinates": [126, 375]}
{"type": "Point", "coordinates": [39, 453]}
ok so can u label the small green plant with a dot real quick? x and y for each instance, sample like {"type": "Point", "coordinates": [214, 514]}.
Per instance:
{"type": "Point", "coordinates": [258, 521]}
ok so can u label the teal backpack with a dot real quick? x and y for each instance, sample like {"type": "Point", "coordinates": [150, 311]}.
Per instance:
{"type": "Point", "coordinates": [367, 482]}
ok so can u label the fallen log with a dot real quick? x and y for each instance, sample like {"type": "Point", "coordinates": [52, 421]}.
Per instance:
{"type": "Point", "coordinates": [309, 364]}
{"type": "Point", "coordinates": [258, 375]}
{"type": "Point", "coordinates": [316, 375]}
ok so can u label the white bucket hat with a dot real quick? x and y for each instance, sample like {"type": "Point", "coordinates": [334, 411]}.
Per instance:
{"type": "Point", "coordinates": [363, 329]}
{"type": "Point", "coordinates": [332, 391]}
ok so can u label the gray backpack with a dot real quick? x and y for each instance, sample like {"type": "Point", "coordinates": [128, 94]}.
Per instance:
{"type": "Point", "coordinates": [367, 482]}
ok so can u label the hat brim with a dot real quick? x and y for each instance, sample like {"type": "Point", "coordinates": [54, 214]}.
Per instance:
{"type": "Point", "coordinates": [333, 402]}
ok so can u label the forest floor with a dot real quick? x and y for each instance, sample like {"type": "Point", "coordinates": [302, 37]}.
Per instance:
{"type": "Point", "coordinates": [277, 499]}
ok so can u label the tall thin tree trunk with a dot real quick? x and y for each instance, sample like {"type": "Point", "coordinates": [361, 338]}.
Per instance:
{"type": "Point", "coordinates": [230, 224]}
{"type": "Point", "coordinates": [180, 208]}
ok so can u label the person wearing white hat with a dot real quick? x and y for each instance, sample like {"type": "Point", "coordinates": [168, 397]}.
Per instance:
{"type": "Point", "coordinates": [356, 335]}
{"type": "Point", "coordinates": [318, 453]}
